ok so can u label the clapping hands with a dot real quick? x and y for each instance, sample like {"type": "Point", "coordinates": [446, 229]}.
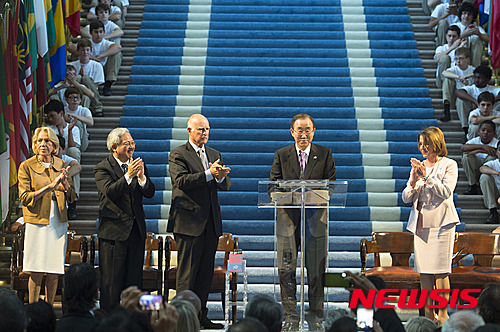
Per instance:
{"type": "Point", "coordinates": [218, 171]}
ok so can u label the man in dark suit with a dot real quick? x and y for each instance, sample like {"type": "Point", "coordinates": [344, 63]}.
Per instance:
{"type": "Point", "coordinates": [122, 182]}
{"type": "Point", "coordinates": [197, 172]}
{"type": "Point", "coordinates": [302, 160]}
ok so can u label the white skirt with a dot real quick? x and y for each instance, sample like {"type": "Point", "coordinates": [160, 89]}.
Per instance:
{"type": "Point", "coordinates": [434, 249]}
{"type": "Point", "coordinates": [45, 245]}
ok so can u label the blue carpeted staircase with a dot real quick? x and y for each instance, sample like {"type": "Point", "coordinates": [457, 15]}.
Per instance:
{"type": "Point", "coordinates": [249, 66]}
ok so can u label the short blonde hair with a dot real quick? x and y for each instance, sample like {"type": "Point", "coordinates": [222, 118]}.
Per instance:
{"type": "Point", "coordinates": [435, 137]}
{"type": "Point", "coordinates": [52, 137]}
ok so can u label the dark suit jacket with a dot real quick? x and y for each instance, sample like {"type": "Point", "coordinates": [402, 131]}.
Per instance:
{"type": "Point", "coordinates": [120, 203]}
{"type": "Point", "coordinates": [192, 196]}
{"type": "Point", "coordinates": [320, 164]}
{"type": "Point", "coordinates": [76, 323]}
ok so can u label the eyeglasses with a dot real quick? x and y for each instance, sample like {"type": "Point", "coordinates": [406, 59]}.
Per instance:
{"type": "Point", "coordinates": [128, 143]}
{"type": "Point", "coordinates": [74, 97]}
{"type": "Point", "coordinates": [303, 132]}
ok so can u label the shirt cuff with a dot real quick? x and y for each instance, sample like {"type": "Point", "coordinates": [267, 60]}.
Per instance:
{"type": "Point", "coordinates": [221, 180]}
{"type": "Point", "coordinates": [208, 175]}
{"type": "Point", "coordinates": [142, 184]}
{"type": "Point", "coordinates": [128, 179]}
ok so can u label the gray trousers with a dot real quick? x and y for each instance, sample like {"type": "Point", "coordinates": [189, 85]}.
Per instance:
{"type": "Point", "coordinates": [490, 191]}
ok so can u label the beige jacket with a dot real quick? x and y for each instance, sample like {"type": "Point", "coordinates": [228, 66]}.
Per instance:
{"type": "Point", "coordinates": [33, 177]}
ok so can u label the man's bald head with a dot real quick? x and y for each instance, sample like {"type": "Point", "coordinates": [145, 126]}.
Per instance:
{"type": "Point", "coordinates": [198, 129]}
{"type": "Point", "coordinates": [190, 297]}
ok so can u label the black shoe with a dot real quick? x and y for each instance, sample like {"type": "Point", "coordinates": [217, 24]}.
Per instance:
{"type": "Point", "coordinates": [209, 325]}
{"type": "Point", "coordinates": [473, 190]}
{"type": "Point", "coordinates": [290, 326]}
{"type": "Point", "coordinates": [446, 113]}
{"type": "Point", "coordinates": [106, 91]}
{"type": "Point", "coordinates": [72, 211]}
{"type": "Point", "coordinates": [493, 218]}
{"type": "Point", "coordinates": [98, 114]}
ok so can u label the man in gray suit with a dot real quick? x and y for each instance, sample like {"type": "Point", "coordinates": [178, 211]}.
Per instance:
{"type": "Point", "coordinates": [302, 160]}
{"type": "Point", "coordinates": [196, 172]}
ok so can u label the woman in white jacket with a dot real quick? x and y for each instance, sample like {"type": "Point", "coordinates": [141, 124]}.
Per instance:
{"type": "Point", "coordinates": [433, 216]}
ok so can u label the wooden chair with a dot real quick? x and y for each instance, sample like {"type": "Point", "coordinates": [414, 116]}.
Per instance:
{"type": "Point", "coordinates": [483, 247]}
{"type": "Point", "coordinates": [76, 252]}
{"type": "Point", "coordinates": [152, 276]}
{"type": "Point", "coordinates": [400, 246]}
{"type": "Point", "coordinates": [227, 244]}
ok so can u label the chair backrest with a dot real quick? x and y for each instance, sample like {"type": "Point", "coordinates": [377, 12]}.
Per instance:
{"type": "Point", "coordinates": [76, 245]}
{"type": "Point", "coordinates": [153, 244]}
{"type": "Point", "coordinates": [398, 244]}
{"type": "Point", "coordinates": [483, 246]}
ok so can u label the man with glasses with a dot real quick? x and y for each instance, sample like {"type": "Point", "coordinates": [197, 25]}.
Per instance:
{"type": "Point", "coordinates": [308, 161]}
{"type": "Point", "coordinates": [122, 182]}
{"type": "Point", "coordinates": [197, 173]}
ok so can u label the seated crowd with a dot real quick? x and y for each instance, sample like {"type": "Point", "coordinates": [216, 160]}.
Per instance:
{"type": "Point", "coordinates": [262, 313]}
{"type": "Point", "coordinates": [465, 86]}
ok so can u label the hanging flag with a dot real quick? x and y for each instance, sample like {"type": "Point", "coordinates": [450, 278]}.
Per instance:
{"type": "Point", "coordinates": [41, 27]}
{"type": "Point", "coordinates": [57, 51]}
{"type": "Point", "coordinates": [494, 32]}
{"type": "Point", "coordinates": [25, 79]}
{"type": "Point", "coordinates": [33, 49]}
{"type": "Point", "coordinates": [73, 8]}
{"type": "Point", "coordinates": [4, 129]}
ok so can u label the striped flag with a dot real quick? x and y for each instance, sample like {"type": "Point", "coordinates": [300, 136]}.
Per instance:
{"type": "Point", "coordinates": [25, 80]}
{"type": "Point", "coordinates": [73, 8]}
{"type": "Point", "coordinates": [4, 129]}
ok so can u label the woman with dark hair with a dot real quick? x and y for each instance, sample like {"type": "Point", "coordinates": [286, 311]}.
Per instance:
{"type": "Point", "coordinates": [44, 190]}
{"type": "Point", "coordinates": [433, 216]}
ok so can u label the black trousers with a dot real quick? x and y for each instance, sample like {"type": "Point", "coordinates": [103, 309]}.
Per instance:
{"type": "Point", "coordinates": [195, 262]}
{"type": "Point", "coordinates": [120, 263]}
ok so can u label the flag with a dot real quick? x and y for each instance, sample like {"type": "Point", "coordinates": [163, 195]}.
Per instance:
{"type": "Point", "coordinates": [73, 8]}
{"type": "Point", "coordinates": [57, 52]}
{"type": "Point", "coordinates": [33, 50]}
{"type": "Point", "coordinates": [4, 128]}
{"type": "Point", "coordinates": [41, 27]}
{"type": "Point", "coordinates": [495, 33]}
{"type": "Point", "coordinates": [12, 106]}
{"type": "Point", "coordinates": [25, 79]}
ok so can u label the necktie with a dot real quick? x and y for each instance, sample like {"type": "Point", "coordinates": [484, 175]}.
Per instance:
{"type": "Point", "coordinates": [202, 157]}
{"type": "Point", "coordinates": [125, 168]}
{"type": "Point", "coordinates": [303, 162]}
{"type": "Point", "coordinates": [82, 70]}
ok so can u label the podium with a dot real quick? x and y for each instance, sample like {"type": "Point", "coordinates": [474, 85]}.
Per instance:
{"type": "Point", "coordinates": [301, 214]}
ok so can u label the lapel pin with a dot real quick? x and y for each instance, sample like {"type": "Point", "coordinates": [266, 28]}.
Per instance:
{"type": "Point", "coordinates": [315, 157]}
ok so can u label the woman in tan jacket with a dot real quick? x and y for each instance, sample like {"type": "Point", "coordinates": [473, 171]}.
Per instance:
{"type": "Point", "coordinates": [44, 189]}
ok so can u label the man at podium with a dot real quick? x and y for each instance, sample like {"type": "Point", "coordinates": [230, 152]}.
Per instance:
{"type": "Point", "coordinates": [302, 160]}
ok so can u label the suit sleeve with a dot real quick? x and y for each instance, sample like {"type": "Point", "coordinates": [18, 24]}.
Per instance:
{"type": "Point", "coordinates": [276, 173]}
{"type": "Point", "coordinates": [330, 171]}
{"type": "Point", "coordinates": [106, 184]}
{"type": "Point", "coordinates": [148, 190]}
{"type": "Point", "coordinates": [181, 175]}
{"type": "Point", "coordinates": [444, 188]}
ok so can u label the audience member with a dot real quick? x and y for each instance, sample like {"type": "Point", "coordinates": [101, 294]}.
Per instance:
{"type": "Point", "coordinates": [74, 172]}
{"type": "Point", "coordinates": [488, 305]}
{"type": "Point", "coordinates": [490, 186]}
{"type": "Point", "coordinates": [248, 324]}
{"type": "Point", "coordinates": [344, 324]}
{"type": "Point", "coordinates": [115, 13]}
{"type": "Point", "coordinates": [190, 296]}
{"type": "Point", "coordinates": [442, 17]}
{"type": "Point", "coordinates": [478, 151]}
{"type": "Point", "coordinates": [107, 53]}
{"type": "Point", "coordinates": [72, 80]}
{"type": "Point", "coordinates": [74, 110]}
{"type": "Point", "coordinates": [80, 292]}
{"type": "Point", "coordinates": [474, 34]}
{"type": "Point", "coordinates": [112, 32]}
{"type": "Point", "coordinates": [484, 112]}
{"type": "Point", "coordinates": [445, 54]}
{"type": "Point", "coordinates": [456, 77]}
{"type": "Point", "coordinates": [467, 95]}
{"type": "Point", "coordinates": [333, 315]}
{"type": "Point", "coordinates": [188, 319]}
{"type": "Point", "coordinates": [420, 324]}
{"type": "Point", "coordinates": [265, 308]}
{"type": "Point", "coordinates": [488, 328]}
{"type": "Point", "coordinates": [90, 73]}
{"type": "Point", "coordinates": [12, 314]}
{"type": "Point", "coordinates": [462, 321]}
{"type": "Point", "coordinates": [120, 320]}
{"type": "Point", "coordinates": [41, 317]}
{"type": "Point", "coordinates": [55, 118]}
